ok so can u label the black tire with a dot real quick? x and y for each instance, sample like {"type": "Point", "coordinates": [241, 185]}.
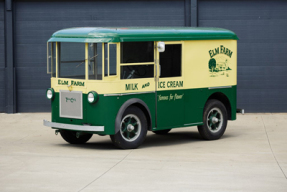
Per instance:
{"type": "Point", "coordinates": [214, 120]}
{"type": "Point", "coordinates": [133, 129]}
{"type": "Point", "coordinates": [162, 132]}
{"type": "Point", "coordinates": [70, 137]}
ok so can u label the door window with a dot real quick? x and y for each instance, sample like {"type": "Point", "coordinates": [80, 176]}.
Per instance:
{"type": "Point", "coordinates": [137, 52]}
{"type": "Point", "coordinates": [137, 71]}
{"type": "Point", "coordinates": [137, 60]}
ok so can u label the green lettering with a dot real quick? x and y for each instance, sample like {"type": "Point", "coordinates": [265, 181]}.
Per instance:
{"type": "Point", "coordinates": [226, 51]}
{"type": "Point", "coordinates": [176, 85]}
{"type": "Point", "coordinates": [221, 48]}
{"type": "Point", "coordinates": [128, 86]}
{"type": "Point", "coordinates": [230, 53]}
{"type": "Point", "coordinates": [181, 84]}
{"type": "Point", "coordinates": [216, 51]}
{"type": "Point", "coordinates": [210, 53]}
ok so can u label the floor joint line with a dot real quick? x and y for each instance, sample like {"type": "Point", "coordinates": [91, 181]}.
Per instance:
{"type": "Point", "coordinates": [105, 172]}
{"type": "Point", "coordinates": [272, 149]}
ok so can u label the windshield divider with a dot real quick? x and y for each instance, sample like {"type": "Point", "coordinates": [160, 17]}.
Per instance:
{"type": "Point", "coordinates": [87, 60]}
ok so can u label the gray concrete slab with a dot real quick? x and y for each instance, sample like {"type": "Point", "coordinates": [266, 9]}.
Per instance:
{"type": "Point", "coordinates": [251, 156]}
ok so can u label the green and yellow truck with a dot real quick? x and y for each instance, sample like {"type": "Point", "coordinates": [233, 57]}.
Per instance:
{"type": "Point", "coordinates": [124, 82]}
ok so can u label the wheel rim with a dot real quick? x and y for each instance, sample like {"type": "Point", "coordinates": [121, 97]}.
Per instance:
{"type": "Point", "coordinates": [214, 120]}
{"type": "Point", "coordinates": [130, 127]}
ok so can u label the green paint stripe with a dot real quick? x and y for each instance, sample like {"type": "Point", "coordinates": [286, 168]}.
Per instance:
{"type": "Point", "coordinates": [174, 113]}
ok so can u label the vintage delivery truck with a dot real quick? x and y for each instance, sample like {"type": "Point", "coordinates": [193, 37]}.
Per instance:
{"type": "Point", "coordinates": [124, 82]}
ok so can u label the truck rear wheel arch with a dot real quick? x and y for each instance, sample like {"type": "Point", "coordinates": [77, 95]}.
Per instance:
{"type": "Point", "coordinates": [133, 102]}
{"type": "Point", "coordinates": [223, 99]}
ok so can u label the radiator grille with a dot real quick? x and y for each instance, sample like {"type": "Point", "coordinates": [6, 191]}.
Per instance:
{"type": "Point", "coordinates": [71, 104]}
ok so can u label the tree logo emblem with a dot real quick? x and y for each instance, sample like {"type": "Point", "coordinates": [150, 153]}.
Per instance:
{"type": "Point", "coordinates": [218, 63]}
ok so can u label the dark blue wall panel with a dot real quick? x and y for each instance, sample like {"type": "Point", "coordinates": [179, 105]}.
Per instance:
{"type": "Point", "coordinates": [261, 27]}
{"type": "Point", "coordinates": [2, 58]}
{"type": "Point", "coordinates": [36, 21]}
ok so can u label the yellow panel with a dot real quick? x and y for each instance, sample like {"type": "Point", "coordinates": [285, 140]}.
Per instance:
{"type": "Point", "coordinates": [196, 73]}
{"type": "Point", "coordinates": [109, 86]}
{"type": "Point", "coordinates": [198, 54]}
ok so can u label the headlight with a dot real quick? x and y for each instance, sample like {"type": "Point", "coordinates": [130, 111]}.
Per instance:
{"type": "Point", "coordinates": [50, 93]}
{"type": "Point", "coordinates": [92, 97]}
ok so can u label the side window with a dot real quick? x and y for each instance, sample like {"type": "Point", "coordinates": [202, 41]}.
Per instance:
{"type": "Point", "coordinates": [170, 61]}
{"type": "Point", "coordinates": [137, 71]}
{"type": "Point", "coordinates": [137, 60]}
{"type": "Point", "coordinates": [137, 52]}
{"type": "Point", "coordinates": [51, 59]}
{"type": "Point", "coordinates": [95, 61]}
{"type": "Point", "coordinates": [113, 59]}
{"type": "Point", "coordinates": [106, 58]}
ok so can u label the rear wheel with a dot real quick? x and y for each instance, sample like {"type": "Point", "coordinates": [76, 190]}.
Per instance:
{"type": "Point", "coordinates": [71, 137]}
{"type": "Point", "coordinates": [133, 129]}
{"type": "Point", "coordinates": [162, 132]}
{"type": "Point", "coordinates": [214, 120]}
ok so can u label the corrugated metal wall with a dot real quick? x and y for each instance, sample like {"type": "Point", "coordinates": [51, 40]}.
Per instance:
{"type": "Point", "coordinates": [262, 68]}
{"type": "Point", "coordinates": [2, 58]}
{"type": "Point", "coordinates": [36, 21]}
{"type": "Point", "coordinates": [260, 24]}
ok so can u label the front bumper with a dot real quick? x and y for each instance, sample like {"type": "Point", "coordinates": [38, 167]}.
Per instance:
{"type": "Point", "coordinates": [73, 127]}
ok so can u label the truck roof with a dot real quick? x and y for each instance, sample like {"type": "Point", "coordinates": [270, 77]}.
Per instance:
{"type": "Point", "coordinates": [134, 34]}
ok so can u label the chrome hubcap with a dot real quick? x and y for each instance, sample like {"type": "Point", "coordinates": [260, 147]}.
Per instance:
{"type": "Point", "coordinates": [130, 127]}
{"type": "Point", "coordinates": [214, 120]}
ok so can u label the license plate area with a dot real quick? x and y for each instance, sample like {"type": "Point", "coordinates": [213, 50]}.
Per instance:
{"type": "Point", "coordinates": [71, 104]}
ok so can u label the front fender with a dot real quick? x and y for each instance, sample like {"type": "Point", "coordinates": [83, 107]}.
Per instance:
{"type": "Point", "coordinates": [128, 103]}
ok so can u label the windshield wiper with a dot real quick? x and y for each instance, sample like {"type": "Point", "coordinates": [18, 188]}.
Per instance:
{"type": "Point", "coordinates": [85, 60]}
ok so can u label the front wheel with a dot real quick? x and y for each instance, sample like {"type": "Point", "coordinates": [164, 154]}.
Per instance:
{"type": "Point", "coordinates": [133, 129]}
{"type": "Point", "coordinates": [71, 137]}
{"type": "Point", "coordinates": [214, 120]}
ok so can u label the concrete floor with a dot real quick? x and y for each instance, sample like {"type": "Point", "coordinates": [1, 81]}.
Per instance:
{"type": "Point", "coordinates": [251, 156]}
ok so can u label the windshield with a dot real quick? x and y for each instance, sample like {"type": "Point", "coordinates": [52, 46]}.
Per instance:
{"type": "Point", "coordinates": [71, 60]}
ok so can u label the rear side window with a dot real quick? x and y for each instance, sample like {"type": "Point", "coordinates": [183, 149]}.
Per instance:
{"type": "Point", "coordinates": [170, 61]}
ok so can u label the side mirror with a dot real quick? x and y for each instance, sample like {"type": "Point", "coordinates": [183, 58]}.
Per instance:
{"type": "Point", "coordinates": [160, 46]}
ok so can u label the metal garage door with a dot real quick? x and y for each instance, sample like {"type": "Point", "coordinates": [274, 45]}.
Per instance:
{"type": "Point", "coordinates": [2, 59]}
{"type": "Point", "coordinates": [262, 69]}
{"type": "Point", "coordinates": [37, 20]}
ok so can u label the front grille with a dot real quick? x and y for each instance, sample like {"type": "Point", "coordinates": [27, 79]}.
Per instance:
{"type": "Point", "coordinates": [71, 104]}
